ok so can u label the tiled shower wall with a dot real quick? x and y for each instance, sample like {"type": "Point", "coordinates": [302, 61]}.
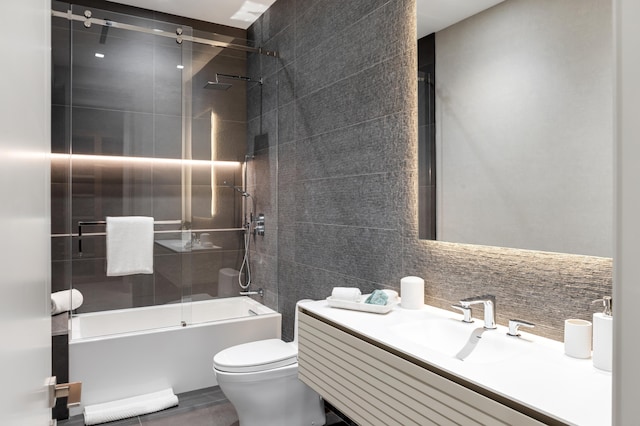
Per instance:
{"type": "Point", "coordinates": [338, 176]}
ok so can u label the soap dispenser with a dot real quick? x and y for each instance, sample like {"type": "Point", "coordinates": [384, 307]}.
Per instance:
{"type": "Point", "coordinates": [603, 335]}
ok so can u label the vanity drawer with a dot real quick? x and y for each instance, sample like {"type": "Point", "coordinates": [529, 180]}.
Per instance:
{"type": "Point", "coordinates": [374, 386]}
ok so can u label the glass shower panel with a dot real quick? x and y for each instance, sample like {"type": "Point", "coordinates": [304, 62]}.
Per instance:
{"type": "Point", "coordinates": [130, 130]}
{"type": "Point", "coordinates": [61, 241]}
{"type": "Point", "coordinates": [219, 137]}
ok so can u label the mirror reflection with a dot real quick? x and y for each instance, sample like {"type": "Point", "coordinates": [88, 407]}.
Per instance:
{"type": "Point", "coordinates": [516, 126]}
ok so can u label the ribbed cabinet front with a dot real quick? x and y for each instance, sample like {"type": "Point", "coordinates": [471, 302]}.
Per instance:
{"type": "Point", "coordinates": [373, 386]}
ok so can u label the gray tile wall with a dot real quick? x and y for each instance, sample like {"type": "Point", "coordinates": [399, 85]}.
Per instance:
{"type": "Point", "coordinates": [340, 175]}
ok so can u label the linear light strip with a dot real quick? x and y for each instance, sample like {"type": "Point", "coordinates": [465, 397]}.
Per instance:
{"type": "Point", "coordinates": [124, 159]}
{"type": "Point", "coordinates": [214, 198]}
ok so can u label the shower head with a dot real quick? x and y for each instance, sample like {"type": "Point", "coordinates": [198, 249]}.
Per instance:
{"type": "Point", "coordinates": [217, 85]}
{"type": "Point", "coordinates": [244, 193]}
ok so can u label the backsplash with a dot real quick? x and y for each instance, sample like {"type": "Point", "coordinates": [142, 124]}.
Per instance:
{"type": "Point", "coordinates": [539, 287]}
{"type": "Point", "coordinates": [338, 177]}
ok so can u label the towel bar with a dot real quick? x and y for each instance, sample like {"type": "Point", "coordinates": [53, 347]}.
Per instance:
{"type": "Point", "coordinates": [82, 223]}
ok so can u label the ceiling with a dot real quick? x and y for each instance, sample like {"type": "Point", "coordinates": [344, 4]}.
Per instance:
{"type": "Point", "coordinates": [234, 13]}
{"type": "Point", "coordinates": [433, 15]}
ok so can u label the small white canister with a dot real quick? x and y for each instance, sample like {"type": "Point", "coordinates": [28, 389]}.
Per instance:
{"type": "Point", "coordinates": [412, 292]}
{"type": "Point", "coordinates": [577, 338]}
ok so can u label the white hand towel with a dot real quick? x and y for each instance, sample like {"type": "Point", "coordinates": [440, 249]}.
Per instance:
{"type": "Point", "coordinates": [129, 245]}
{"type": "Point", "coordinates": [66, 300]}
{"type": "Point", "coordinates": [349, 294]}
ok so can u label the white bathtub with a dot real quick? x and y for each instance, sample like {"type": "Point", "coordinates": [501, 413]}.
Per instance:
{"type": "Point", "coordinates": [122, 353]}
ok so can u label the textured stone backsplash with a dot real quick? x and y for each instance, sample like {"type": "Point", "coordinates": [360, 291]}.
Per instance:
{"type": "Point", "coordinates": [543, 288]}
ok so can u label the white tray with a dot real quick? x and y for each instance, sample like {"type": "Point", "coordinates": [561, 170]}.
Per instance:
{"type": "Point", "coordinates": [361, 306]}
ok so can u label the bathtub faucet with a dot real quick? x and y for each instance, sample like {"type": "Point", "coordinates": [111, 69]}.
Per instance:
{"type": "Point", "coordinates": [259, 292]}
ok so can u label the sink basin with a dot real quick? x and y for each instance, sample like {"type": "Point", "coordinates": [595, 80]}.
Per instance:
{"type": "Point", "coordinates": [470, 343]}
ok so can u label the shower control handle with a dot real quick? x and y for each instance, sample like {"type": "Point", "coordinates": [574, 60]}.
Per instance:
{"type": "Point", "coordinates": [258, 229]}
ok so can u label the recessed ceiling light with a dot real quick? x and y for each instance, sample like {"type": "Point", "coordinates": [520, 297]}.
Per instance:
{"type": "Point", "coordinates": [180, 67]}
{"type": "Point", "coordinates": [99, 55]}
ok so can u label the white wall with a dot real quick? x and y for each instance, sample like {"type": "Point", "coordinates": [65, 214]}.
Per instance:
{"type": "Point", "coordinates": [524, 127]}
{"type": "Point", "coordinates": [626, 288]}
{"type": "Point", "coordinates": [25, 104]}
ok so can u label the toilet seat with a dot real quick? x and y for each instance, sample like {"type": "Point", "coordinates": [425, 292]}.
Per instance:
{"type": "Point", "coordinates": [256, 356]}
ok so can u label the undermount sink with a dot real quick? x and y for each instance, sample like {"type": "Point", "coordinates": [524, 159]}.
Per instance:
{"type": "Point", "coordinates": [470, 343]}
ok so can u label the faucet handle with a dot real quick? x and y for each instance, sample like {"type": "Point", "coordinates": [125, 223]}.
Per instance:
{"type": "Point", "coordinates": [514, 324]}
{"type": "Point", "coordinates": [466, 311]}
{"type": "Point", "coordinates": [478, 299]}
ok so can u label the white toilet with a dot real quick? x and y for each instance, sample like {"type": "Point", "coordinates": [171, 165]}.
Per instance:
{"type": "Point", "coordinates": [261, 380]}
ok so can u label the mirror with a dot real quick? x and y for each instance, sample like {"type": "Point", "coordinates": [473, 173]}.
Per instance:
{"type": "Point", "coordinates": [522, 127]}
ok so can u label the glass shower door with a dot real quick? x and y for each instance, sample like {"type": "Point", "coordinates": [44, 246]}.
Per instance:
{"type": "Point", "coordinates": [122, 152]}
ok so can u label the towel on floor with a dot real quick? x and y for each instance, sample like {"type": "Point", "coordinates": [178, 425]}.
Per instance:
{"type": "Point", "coordinates": [129, 407]}
{"type": "Point", "coordinates": [66, 300]}
{"type": "Point", "coordinates": [129, 245]}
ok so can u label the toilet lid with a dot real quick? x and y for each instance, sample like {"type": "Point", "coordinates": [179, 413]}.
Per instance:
{"type": "Point", "coordinates": [256, 356]}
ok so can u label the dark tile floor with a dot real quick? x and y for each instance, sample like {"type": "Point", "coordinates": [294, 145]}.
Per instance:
{"type": "Point", "coordinates": [204, 407]}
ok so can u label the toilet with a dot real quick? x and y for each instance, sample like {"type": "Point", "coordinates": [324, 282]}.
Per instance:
{"type": "Point", "coordinates": [261, 380]}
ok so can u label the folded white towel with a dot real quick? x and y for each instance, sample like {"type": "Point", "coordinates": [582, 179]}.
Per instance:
{"type": "Point", "coordinates": [350, 294]}
{"type": "Point", "coordinates": [66, 300]}
{"type": "Point", "coordinates": [129, 245]}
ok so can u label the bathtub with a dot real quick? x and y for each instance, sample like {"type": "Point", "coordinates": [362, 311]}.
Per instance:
{"type": "Point", "coordinates": [128, 352]}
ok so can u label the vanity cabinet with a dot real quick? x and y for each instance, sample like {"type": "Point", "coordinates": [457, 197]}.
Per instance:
{"type": "Point", "coordinates": [377, 385]}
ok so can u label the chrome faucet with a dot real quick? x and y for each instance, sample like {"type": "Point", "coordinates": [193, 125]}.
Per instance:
{"type": "Point", "coordinates": [489, 303]}
{"type": "Point", "coordinates": [258, 292]}
{"type": "Point", "coordinates": [515, 324]}
{"type": "Point", "coordinates": [466, 312]}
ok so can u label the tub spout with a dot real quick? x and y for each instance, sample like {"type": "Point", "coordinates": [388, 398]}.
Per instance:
{"type": "Point", "coordinates": [259, 292]}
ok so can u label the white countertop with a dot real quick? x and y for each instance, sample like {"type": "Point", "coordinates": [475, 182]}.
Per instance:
{"type": "Point", "coordinates": [541, 377]}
